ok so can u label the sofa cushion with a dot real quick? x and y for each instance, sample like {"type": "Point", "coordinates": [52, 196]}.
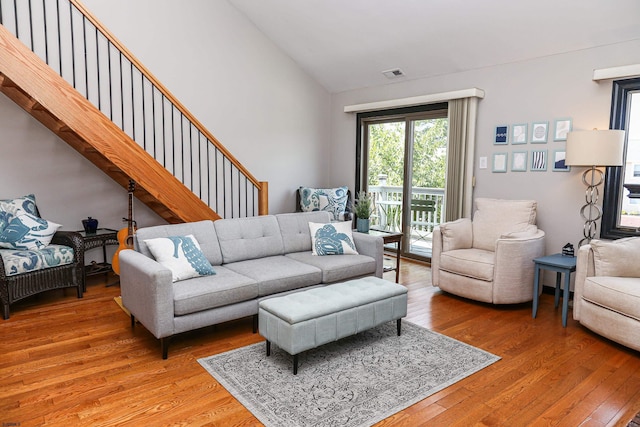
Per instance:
{"type": "Point", "coordinates": [332, 239]}
{"type": "Point", "coordinates": [181, 255]}
{"type": "Point", "coordinates": [249, 238]}
{"type": "Point", "coordinates": [620, 294]}
{"type": "Point", "coordinates": [332, 200]}
{"type": "Point", "coordinates": [339, 267]}
{"type": "Point", "coordinates": [294, 228]}
{"type": "Point", "coordinates": [11, 208]}
{"type": "Point", "coordinates": [21, 261]}
{"type": "Point", "coordinates": [496, 217]}
{"type": "Point", "coordinates": [277, 273]}
{"type": "Point", "coordinates": [203, 231]}
{"type": "Point", "coordinates": [28, 232]}
{"type": "Point", "coordinates": [202, 293]}
{"type": "Point", "coordinates": [617, 258]}
{"type": "Point", "coordinates": [475, 263]}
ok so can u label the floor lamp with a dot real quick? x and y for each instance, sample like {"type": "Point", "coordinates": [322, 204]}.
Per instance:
{"type": "Point", "coordinates": [593, 148]}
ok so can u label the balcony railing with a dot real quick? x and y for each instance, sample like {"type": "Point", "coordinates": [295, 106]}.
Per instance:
{"type": "Point", "coordinates": [387, 215]}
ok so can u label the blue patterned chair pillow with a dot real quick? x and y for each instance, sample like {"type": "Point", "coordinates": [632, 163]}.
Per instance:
{"type": "Point", "coordinates": [28, 232]}
{"type": "Point", "coordinates": [12, 208]}
{"type": "Point", "coordinates": [181, 255]}
{"type": "Point", "coordinates": [335, 238]}
{"type": "Point", "coordinates": [333, 200]}
{"type": "Point", "coordinates": [18, 262]}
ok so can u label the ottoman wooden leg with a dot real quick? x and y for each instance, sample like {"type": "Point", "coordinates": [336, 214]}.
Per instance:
{"type": "Point", "coordinates": [268, 348]}
{"type": "Point", "coordinates": [295, 364]}
{"type": "Point", "coordinates": [399, 325]}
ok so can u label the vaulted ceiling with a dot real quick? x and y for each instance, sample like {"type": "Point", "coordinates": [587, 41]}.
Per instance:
{"type": "Point", "coordinates": [347, 44]}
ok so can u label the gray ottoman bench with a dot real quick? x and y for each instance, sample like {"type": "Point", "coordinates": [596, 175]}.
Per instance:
{"type": "Point", "coordinates": [308, 319]}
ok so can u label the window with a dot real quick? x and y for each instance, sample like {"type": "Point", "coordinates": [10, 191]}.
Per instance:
{"type": "Point", "coordinates": [621, 216]}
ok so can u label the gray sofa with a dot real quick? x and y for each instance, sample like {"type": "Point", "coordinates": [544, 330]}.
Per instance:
{"type": "Point", "coordinates": [254, 258]}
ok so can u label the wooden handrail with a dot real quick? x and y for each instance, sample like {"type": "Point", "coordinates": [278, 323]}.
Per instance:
{"type": "Point", "coordinates": [261, 186]}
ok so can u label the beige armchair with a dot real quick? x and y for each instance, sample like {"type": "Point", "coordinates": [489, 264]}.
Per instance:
{"type": "Point", "coordinates": [489, 259]}
{"type": "Point", "coordinates": [607, 289]}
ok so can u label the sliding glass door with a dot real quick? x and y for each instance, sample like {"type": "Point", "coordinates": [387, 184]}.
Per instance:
{"type": "Point", "coordinates": [403, 167]}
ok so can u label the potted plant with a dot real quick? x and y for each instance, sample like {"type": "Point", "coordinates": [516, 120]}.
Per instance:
{"type": "Point", "coordinates": [363, 210]}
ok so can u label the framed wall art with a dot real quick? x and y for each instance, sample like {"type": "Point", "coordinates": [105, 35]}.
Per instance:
{"type": "Point", "coordinates": [519, 161]}
{"type": "Point", "coordinates": [519, 134]}
{"type": "Point", "coordinates": [500, 162]}
{"type": "Point", "coordinates": [539, 132]}
{"type": "Point", "coordinates": [559, 165]}
{"type": "Point", "coordinates": [538, 160]}
{"type": "Point", "coordinates": [561, 129]}
{"type": "Point", "coordinates": [502, 132]}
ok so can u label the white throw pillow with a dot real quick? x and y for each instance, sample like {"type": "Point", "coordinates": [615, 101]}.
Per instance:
{"type": "Point", "coordinates": [28, 232]}
{"type": "Point", "coordinates": [618, 258]}
{"type": "Point", "coordinates": [332, 200]}
{"type": "Point", "coordinates": [335, 238]}
{"type": "Point", "coordinates": [181, 255]}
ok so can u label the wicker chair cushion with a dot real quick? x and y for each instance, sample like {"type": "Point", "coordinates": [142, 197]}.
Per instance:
{"type": "Point", "coordinates": [18, 262]}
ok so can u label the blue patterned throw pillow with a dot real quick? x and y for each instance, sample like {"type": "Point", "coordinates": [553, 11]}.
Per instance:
{"type": "Point", "coordinates": [12, 208]}
{"type": "Point", "coordinates": [28, 232]}
{"type": "Point", "coordinates": [333, 200]}
{"type": "Point", "coordinates": [181, 255]}
{"type": "Point", "coordinates": [335, 238]}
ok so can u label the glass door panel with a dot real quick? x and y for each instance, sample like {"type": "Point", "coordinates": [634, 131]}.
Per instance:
{"type": "Point", "coordinates": [424, 201]}
{"type": "Point", "coordinates": [386, 173]}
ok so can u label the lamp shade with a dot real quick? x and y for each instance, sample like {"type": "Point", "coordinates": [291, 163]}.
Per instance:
{"type": "Point", "coordinates": [595, 148]}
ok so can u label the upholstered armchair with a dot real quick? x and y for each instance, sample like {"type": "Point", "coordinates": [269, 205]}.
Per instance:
{"type": "Point", "coordinates": [607, 289]}
{"type": "Point", "coordinates": [489, 258]}
{"type": "Point", "coordinates": [34, 256]}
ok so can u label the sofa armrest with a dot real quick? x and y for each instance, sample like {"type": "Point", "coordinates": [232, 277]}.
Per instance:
{"type": "Point", "coordinates": [372, 246]}
{"type": "Point", "coordinates": [147, 292]}
{"type": "Point", "coordinates": [585, 267]}
{"type": "Point", "coordinates": [514, 268]}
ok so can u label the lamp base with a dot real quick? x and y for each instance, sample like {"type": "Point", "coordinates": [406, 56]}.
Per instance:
{"type": "Point", "coordinates": [591, 197]}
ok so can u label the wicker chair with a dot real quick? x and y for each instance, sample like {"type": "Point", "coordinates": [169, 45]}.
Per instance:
{"type": "Point", "coordinates": [16, 287]}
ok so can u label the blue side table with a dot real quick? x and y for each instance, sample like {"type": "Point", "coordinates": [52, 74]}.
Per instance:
{"type": "Point", "coordinates": [560, 264]}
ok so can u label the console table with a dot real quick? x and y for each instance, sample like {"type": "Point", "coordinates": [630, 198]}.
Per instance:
{"type": "Point", "coordinates": [389, 237]}
{"type": "Point", "coordinates": [101, 238]}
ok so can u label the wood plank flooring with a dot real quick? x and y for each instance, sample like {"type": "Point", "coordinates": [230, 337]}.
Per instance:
{"type": "Point", "coordinates": [76, 362]}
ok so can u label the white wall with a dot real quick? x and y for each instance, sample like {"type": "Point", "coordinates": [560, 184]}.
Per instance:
{"type": "Point", "coordinates": [543, 89]}
{"type": "Point", "coordinates": [270, 115]}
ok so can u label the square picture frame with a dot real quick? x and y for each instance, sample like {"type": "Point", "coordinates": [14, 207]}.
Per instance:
{"type": "Point", "coordinates": [539, 132]}
{"type": "Point", "coordinates": [499, 164]}
{"type": "Point", "coordinates": [502, 135]}
{"type": "Point", "coordinates": [561, 128]}
{"type": "Point", "coordinates": [538, 160]}
{"type": "Point", "coordinates": [519, 133]}
{"type": "Point", "coordinates": [519, 161]}
{"type": "Point", "coordinates": [559, 165]}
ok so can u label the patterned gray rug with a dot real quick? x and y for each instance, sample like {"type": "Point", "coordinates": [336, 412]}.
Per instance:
{"type": "Point", "coordinates": [356, 381]}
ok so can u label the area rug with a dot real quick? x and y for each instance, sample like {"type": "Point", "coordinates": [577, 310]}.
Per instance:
{"type": "Point", "coordinates": [356, 381]}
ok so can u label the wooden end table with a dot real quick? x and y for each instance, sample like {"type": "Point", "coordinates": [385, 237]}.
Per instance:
{"type": "Point", "coordinates": [389, 237]}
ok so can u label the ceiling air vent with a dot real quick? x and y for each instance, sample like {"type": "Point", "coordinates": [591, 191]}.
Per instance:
{"type": "Point", "coordinates": [393, 74]}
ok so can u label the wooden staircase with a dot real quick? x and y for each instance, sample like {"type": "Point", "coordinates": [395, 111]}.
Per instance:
{"type": "Point", "coordinates": [43, 93]}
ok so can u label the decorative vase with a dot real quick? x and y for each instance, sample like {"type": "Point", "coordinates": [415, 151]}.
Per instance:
{"type": "Point", "coordinates": [90, 225]}
{"type": "Point", "coordinates": [362, 225]}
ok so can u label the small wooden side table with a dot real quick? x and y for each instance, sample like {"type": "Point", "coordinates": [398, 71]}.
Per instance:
{"type": "Point", "coordinates": [560, 264]}
{"type": "Point", "coordinates": [389, 237]}
{"type": "Point", "coordinates": [101, 238]}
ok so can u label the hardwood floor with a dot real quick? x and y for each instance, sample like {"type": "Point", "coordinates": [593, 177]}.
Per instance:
{"type": "Point", "coordinates": [76, 362]}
